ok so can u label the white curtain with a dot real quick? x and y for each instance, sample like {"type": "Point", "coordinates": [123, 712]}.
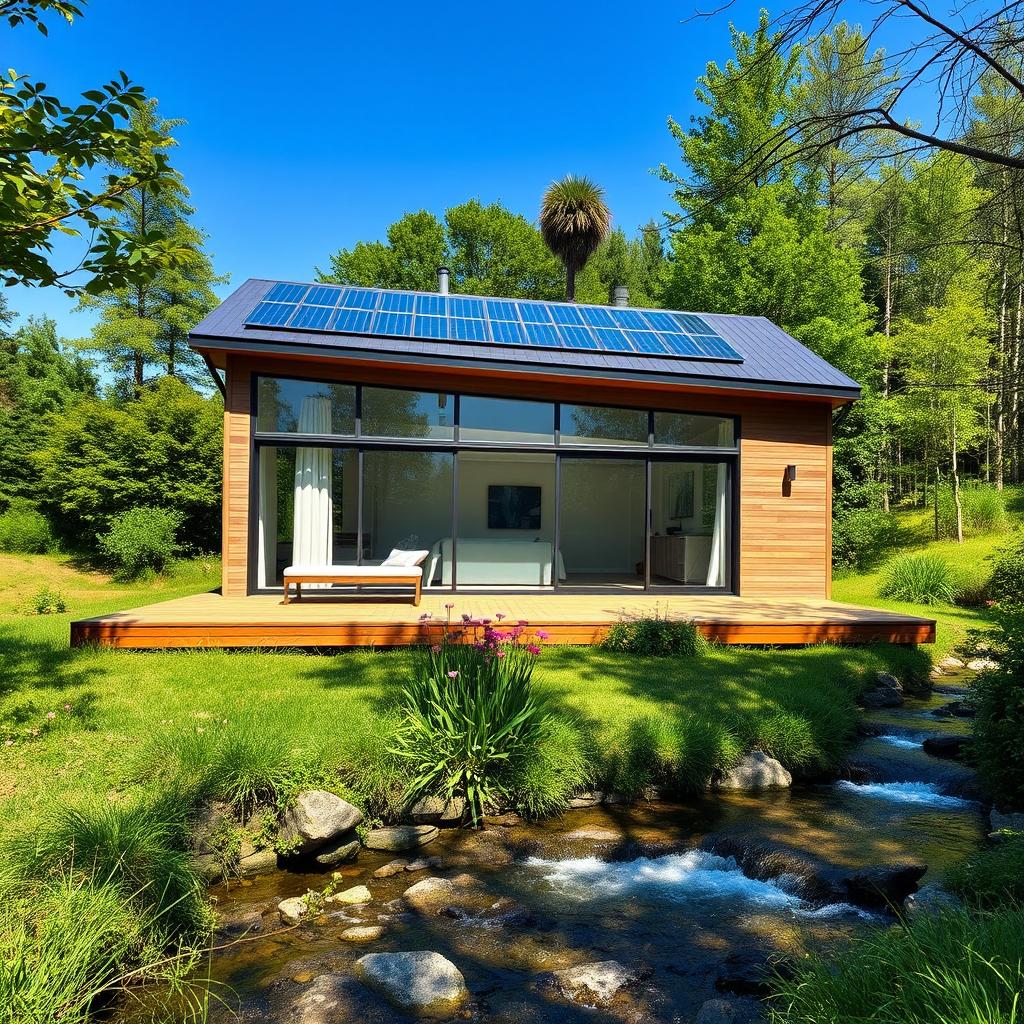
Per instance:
{"type": "Point", "coordinates": [719, 545]}
{"type": "Point", "coordinates": [267, 551]}
{"type": "Point", "coordinates": [313, 533]}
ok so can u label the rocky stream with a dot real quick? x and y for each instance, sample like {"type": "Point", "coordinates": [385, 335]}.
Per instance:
{"type": "Point", "coordinates": [649, 912]}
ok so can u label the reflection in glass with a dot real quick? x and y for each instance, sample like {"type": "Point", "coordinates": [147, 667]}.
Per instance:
{"type": "Point", "coordinates": [595, 424]}
{"type": "Point", "coordinates": [506, 420]}
{"type": "Point", "coordinates": [388, 412]}
{"type": "Point", "coordinates": [407, 504]}
{"type": "Point", "coordinates": [294, 406]}
{"type": "Point", "coordinates": [694, 430]}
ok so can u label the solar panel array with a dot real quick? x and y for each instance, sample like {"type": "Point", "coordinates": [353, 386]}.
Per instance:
{"type": "Point", "coordinates": [372, 311]}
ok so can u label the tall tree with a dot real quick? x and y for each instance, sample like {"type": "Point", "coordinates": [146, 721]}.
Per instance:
{"type": "Point", "coordinates": [574, 221]}
{"type": "Point", "coordinates": [51, 158]}
{"type": "Point", "coordinates": [143, 326]}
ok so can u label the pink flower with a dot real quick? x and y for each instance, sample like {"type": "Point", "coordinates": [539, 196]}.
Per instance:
{"type": "Point", "coordinates": [542, 634]}
{"type": "Point", "coordinates": [51, 715]}
{"type": "Point", "coordinates": [449, 606]}
{"type": "Point", "coordinates": [67, 707]}
{"type": "Point", "coordinates": [499, 616]}
{"type": "Point", "coordinates": [436, 648]}
{"type": "Point", "coordinates": [499, 654]}
{"type": "Point", "coordinates": [453, 674]}
{"type": "Point", "coordinates": [533, 648]}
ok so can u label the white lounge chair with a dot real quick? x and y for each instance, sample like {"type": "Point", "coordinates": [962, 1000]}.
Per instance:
{"type": "Point", "coordinates": [402, 568]}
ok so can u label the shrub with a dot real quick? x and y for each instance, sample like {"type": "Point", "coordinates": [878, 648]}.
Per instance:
{"type": "Point", "coordinates": [24, 530]}
{"type": "Point", "coordinates": [657, 636]}
{"type": "Point", "coordinates": [861, 537]}
{"type": "Point", "coordinates": [958, 968]}
{"type": "Point", "coordinates": [921, 579]}
{"type": "Point", "coordinates": [1007, 583]}
{"type": "Point", "coordinates": [141, 539]}
{"type": "Point", "coordinates": [991, 878]}
{"type": "Point", "coordinates": [984, 511]}
{"type": "Point", "coordinates": [48, 601]}
{"type": "Point", "coordinates": [557, 767]}
{"type": "Point", "coordinates": [471, 718]}
{"type": "Point", "coordinates": [999, 724]}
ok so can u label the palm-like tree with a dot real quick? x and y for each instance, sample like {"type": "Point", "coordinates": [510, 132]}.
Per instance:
{"type": "Point", "coordinates": [574, 220]}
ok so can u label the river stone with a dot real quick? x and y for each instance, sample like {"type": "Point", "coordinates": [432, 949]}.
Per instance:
{"type": "Point", "coordinates": [435, 810]}
{"type": "Point", "coordinates": [363, 933]}
{"type": "Point", "coordinates": [982, 665]}
{"type": "Point", "coordinates": [593, 833]}
{"type": "Point", "coordinates": [1012, 821]}
{"type": "Point", "coordinates": [951, 664]}
{"type": "Point", "coordinates": [425, 864]}
{"type": "Point", "coordinates": [243, 922]}
{"type": "Point", "coordinates": [338, 852]}
{"type": "Point", "coordinates": [755, 771]}
{"type": "Point", "coordinates": [946, 746]}
{"type": "Point", "coordinates": [591, 799]}
{"type": "Point", "coordinates": [330, 999]}
{"type": "Point", "coordinates": [393, 867]}
{"type": "Point", "coordinates": [929, 900]}
{"type": "Point", "coordinates": [888, 693]}
{"type": "Point", "coordinates": [715, 1011]}
{"type": "Point", "coordinates": [421, 983]}
{"type": "Point", "coordinates": [885, 885]}
{"type": "Point", "coordinates": [400, 837]}
{"type": "Point", "coordinates": [597, 982]}
{"type": "Point", "coordinates": [432, 896]}
{"type": "Point", "coordinates": [292, 909]}
{"type": "Point", "coordinates": [315, 817]}
{"type": "Point", "coordinates": [350, 897]}
{"type": "Point", "coordinates": [262, 862]}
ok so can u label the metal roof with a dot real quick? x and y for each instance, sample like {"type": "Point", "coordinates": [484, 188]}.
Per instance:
{"type": "Point", "coordinates": [772, 360]}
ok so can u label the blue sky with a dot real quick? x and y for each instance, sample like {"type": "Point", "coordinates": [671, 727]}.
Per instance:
{"type": "Point", "coordinates": [314, 125]}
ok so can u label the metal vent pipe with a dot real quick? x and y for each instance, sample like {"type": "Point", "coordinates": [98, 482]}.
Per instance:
{"type": "Point", "coordinates": [442, 280]}
{"type": "Point", "coordinates": [620, 295]}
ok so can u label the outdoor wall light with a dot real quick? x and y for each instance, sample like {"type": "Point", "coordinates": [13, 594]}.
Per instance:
{"type": "Point", "coordinates": [790, 473]}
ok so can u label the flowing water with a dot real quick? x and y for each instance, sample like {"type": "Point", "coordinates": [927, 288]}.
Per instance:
{"type": "Point", "coordinates": [653, 884]}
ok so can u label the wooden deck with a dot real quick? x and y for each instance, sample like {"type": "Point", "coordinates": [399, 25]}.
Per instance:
{"type": "Point", "coordinates": [210, 620]}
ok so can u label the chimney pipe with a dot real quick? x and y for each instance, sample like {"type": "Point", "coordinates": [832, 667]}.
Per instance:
{"type": "Point", "coordinates": [442, 280]}
{"type": "Point", "coordinates": [620, 295]}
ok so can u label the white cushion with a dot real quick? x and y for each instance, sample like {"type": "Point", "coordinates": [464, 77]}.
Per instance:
{"type": "Point", "coordinates": [399, 557]}
{"type": "Point", "coordinates": [353, 570]}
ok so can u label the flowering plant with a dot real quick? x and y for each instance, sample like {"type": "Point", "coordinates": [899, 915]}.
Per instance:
{"type": "Point", "coordinates": [470, 713]}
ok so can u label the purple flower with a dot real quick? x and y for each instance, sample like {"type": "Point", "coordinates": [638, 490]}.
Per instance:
{"type": "Point", "coordinates": [533, 648]}
{"type": "Point", "coordinates": [542, 634]}
{"type": "Point", "coordinates": [499, 616]}
{"type": "Point", "coordinates": [453, 674]}
{"type": "Point", "coordinates": [436, 648]}
{"type": "Point", "coordinates": [466, 617]}
{"type": "Point", "coordinates": [449, 606]}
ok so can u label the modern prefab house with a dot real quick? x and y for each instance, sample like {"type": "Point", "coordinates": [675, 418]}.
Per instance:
{"type": "Point", "coordinates": [393, 458]}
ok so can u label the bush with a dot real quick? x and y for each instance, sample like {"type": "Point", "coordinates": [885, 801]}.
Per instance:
{"type": "Point", "coordinates": [471, 719]}
{"type": "Point", "coordinates": [862, 537]}
{"type": "Point", "coordinates": [999, 723]}
{"type": "Point", "coordinates": [48, 602]}
{"type": "Point", "coordinates": [1007, 583]}
{"type": "Point", "coordinates": [991, 878]}
{"type": "Point", "coordinates": [921, 579]}
{"type": "Point", "coordinates": [24, 530]}
{"type": "Point", "coordinates": [657, 636]}
{"type": "Point", "coordinates": [958, 968]}
{"type": "Point", "coordinates": [141, 539]}
{"type": "Point", "coordinates": [984, 511]}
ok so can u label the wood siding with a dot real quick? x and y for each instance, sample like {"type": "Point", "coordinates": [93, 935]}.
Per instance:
{"type": "Point", "coordinates": [784, 531]}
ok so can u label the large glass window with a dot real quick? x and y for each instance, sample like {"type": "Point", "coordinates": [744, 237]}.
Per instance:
{"type": "Point", "coordinates": [506, 421]}
{"type": "Point", "coordinates": [305, 407]}
{"type": "Point", "coordinates": [407, 504]}
{"type": "Point", "coordinates": [506, 521]}
{"type": "Point", "coordinates": [597, 424]}
{"type": "Point", "coordinates": [389, 412]}
{"type": "Point", "coordinates": [693, 430]}
{"type": "Point", "coordinates": [307, 509]}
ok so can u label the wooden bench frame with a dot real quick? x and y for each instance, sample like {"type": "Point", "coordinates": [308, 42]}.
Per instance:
{"type": "Point", "coordinates": [355, 579]}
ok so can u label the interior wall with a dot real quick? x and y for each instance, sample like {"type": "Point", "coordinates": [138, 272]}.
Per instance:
{"type": "Point", "coordinates": [478, 471]}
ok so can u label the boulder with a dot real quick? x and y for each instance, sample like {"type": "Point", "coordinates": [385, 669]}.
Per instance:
{"type": "Point", "coordinates": [210, 822]}
{"type": "Point", "coordinates": [432, 896]}
{"type": "Point", "coordinates": [400, 837]}
{"type": "Point", "coordinates": [955, 709]}
{"type": "Point", "coordinates": [982, 665]}
{"type": "Point", "coordinates": [262, 862]}
{"type": "Point", "coordinates": [756, 771]}
{"type": "Point", "coordinates": [929, 900]}
{"type": "Point", "coordinates": [363, 933]}
{"type": "Point", "coordinates": [234, 926]}
{"type": "Point", "coordinates": [885, 885]}
{"type": "Point", "coordinates": [596, 982]}
{"type": "Point", "coordinates": [350, 897]}
{"type": "Point", "coordinates": [882, 696]}
{"type": "Point", "coordinates": [327, 999]}
{"type": "Point", "coordinates": [293, 909]}
{"type": "Point", "coordinates": [338, 852]}
{"type": "Point", "coordinates": [715, 1011]}
{"type": "Point", "coordinates": [421, 983]}
{"type": "Point", "coordinates": [951, 747]}
{"type": "Point", "coordinates": [393, 867]}
{"type": "Point", "coordinates": [425, 864]}
{"type": "Point", "coordinates": [951, 664]}
{"type": "Point", "coordinates": [315, 817]}
{"type": "Point", "coordinates": [591, 799]}
{"type": "Point", "coordinates": [507, 820]}
{"type": "Point", "coordinates": [435, 810]}
{"type": "Point", "coordinates": [1011, 821]}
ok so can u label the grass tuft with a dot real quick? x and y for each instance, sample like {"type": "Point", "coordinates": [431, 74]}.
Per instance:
{"type": "Point", "coordinates": [921, 579]}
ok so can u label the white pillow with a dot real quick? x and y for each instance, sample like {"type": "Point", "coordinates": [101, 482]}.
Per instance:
{"type": "Point", "coordinates": [405, 558]}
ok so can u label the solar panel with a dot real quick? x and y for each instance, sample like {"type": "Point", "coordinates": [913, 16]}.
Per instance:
{"type": "Point", "coordinates": [346, 309]}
